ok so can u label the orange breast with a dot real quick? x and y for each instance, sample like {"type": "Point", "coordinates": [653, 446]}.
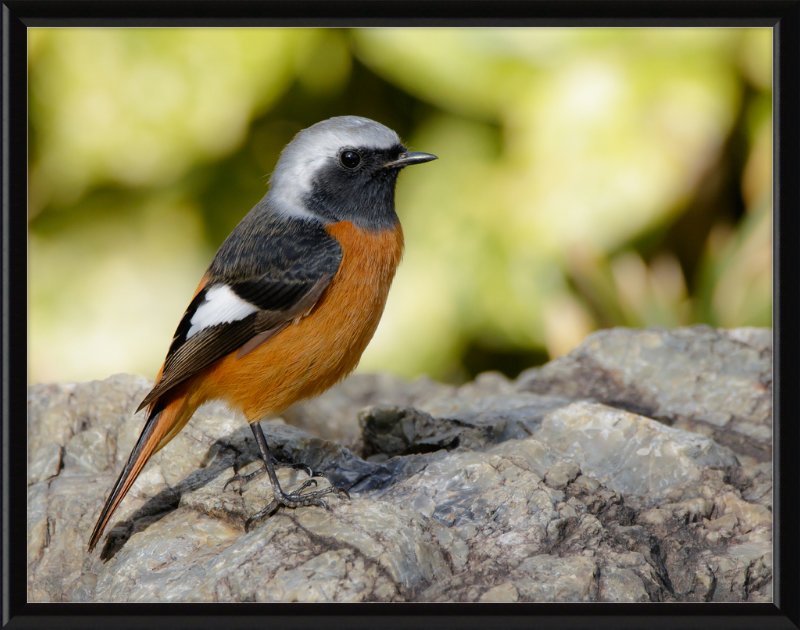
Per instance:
{"type": "Point", "coordinates": [311, 355]}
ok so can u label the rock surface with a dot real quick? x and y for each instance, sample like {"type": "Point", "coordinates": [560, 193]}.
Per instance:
{"type": "Point", "coordinates": [637, 468]}
{"type": "Point", "coordinates": [714, 382]}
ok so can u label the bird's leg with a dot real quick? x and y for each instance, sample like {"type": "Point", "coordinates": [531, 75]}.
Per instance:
{"type": "Point", "coordinates": [244, 479]}
{"type": "Point", "coordinates": [280, 498]}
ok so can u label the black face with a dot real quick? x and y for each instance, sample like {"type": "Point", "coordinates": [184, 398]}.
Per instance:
{"type": "Point", "coordinates": [356, 187]}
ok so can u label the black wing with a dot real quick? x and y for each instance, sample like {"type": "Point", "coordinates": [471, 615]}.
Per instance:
{"type": "Point", "coordinates": [279, 268]}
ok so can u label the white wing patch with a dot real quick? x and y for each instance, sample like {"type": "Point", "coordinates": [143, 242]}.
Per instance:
{"type": "Point", "coordinates": [222, 306]}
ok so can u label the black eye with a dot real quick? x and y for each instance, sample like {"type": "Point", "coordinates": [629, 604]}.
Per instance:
{"type": "Point", "coordinates": [350, 159]}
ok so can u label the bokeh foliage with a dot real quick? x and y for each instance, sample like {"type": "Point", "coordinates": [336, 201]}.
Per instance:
{"type": "Point", "coordinates": [587, 178]}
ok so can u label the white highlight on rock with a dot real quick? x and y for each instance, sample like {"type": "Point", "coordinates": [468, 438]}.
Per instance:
{"type": "Point", "coordinates": [222, 306]}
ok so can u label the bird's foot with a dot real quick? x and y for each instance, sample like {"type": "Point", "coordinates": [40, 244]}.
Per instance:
{"type": "Point", "coordinates": [295, 500]}
{"type": "Point", "coordinates": [244, 479]}
{"type": "Point", "coordinates": [280, 498]}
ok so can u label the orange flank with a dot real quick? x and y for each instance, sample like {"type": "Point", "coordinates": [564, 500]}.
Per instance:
{"type": "Point", "coordinates": [316, 351]}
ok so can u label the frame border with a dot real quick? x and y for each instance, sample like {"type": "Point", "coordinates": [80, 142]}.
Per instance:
{"type": "Point", "coordinates": [782, 15]}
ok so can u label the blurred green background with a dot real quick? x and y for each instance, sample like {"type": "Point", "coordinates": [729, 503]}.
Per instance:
{"type": "Point", "coordinates": [587, 178]}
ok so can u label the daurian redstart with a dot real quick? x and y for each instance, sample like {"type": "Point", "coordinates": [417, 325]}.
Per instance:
{"type": "Point", "coordinates": [291, 298]}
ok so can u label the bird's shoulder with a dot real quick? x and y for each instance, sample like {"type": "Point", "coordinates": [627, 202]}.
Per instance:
{"type": "Point", "coordinates": [267, 245]}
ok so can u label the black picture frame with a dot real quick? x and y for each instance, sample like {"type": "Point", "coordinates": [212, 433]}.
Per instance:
{"type": "Point", "coordinates": [783, 16]}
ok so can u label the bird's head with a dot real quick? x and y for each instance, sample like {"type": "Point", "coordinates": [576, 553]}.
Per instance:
{"type": "Point", "coordinates": [342, 169]}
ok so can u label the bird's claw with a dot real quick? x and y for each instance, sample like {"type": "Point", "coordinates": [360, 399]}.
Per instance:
{"type": "Point", "coordinates": [296, 500]}
{"type": "Point", "coordinates": [296, 493]}
{"type": "Point", "coordinates": [248, 478]}
{"type": "Point", "coordinates": [342, 491]}
{"type": "Point", "coordinates": [304, 467]}
{"type": "Point", "coordinates": [245, 478]}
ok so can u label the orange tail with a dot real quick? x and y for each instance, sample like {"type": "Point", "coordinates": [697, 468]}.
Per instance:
{"type": "Point", "coordinates": [163, 423]}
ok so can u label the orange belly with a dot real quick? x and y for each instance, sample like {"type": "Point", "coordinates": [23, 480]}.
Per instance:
{"type": "Point", "coordinates": [312, 354]}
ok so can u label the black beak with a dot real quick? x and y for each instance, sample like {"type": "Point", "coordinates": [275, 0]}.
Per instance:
{"type": "Point", "coordinates": [409, 158]}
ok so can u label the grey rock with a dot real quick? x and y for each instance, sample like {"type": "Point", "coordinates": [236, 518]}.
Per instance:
{"type": "Point", "coordinates": [488, 492]}
{"type": "Point", "coordinates": [630, 453]}
{"type": "Point", "coordinates": [505, 592]}
{"type": "Point", "coordinates": [333, 415]}
{"type": "Point", "coordinates": [562, 474]}
{"type": "Point", "coordinates": [714, 382]}
{"type": "Point", "coordinates": [619, 584]}
{"type": "Point", "coordinates": [390, 430]}
{"type": "Point", "coordinates": [552, 579]}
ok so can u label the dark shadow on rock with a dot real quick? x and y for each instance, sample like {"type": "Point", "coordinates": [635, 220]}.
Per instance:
{"type": "Point", "coordinates": [396, 430]}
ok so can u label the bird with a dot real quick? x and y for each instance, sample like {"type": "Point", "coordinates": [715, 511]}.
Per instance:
{"type": "Point", "coordinates": [290, 300]}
